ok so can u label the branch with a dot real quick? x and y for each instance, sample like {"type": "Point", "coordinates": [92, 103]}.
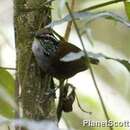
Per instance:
{"type": "Point", "coordinates": [88, 64]}
{"type": "Point", "coordinates": [33, 82]}
{"type": "Point", "coordinates": [101, 5]}
{"type": "Point", "coordinates": [7, 68]}
{"type": "Point", "coordinates": [69, 25]}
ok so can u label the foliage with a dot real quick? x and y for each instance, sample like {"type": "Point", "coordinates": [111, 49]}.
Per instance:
{"type": "Point", "coordinates": [7, 86]}
{"type": "Point", "coordinates": [7, 82]}
{"type": "Point", "coordinates": [127, 8]}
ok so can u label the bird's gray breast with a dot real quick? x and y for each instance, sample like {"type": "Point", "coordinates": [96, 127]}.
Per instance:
{"type": "Point", "coordinates": [39, 54]}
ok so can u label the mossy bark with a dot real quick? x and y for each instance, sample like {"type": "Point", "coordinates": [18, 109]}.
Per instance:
{"type": "Point", "coordinates": [30, 16]}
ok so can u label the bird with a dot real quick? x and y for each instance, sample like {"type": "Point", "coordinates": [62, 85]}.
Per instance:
{"type": "Point", "coordinates": [58, 57]}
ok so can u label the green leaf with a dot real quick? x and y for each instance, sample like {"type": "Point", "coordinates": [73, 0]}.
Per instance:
{"type": "Point", "coordinates": [127, 8]}
{"type": "Point", "coordinates": [7, 87]}
{"type": "Point", "coordinates": [89, 17]}
{"type": "Point", "coordinates": [98, 56]}
{"type": "Point", "coordinates": [7, 81]}
{"type": "Point", "coordinates": [6, 110]}
{"type": "Point", "coordinates": [7, 103]}
{"type": "Point", "coordinates": [125, 63]}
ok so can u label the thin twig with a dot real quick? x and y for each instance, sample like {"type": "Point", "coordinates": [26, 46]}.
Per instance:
{"type": "Point", "coordinates": [88, 64]}
{"type": "Point", "coordinates": [101, 5]}
{"type": "Point", "coordinates": [69, 25]}
{"type": "Point", "coordinates": [60, 37]}
{"type": "Point", "coordinates": [7, 68]}
{"type": "Point", "coordinates": [82, 109]}
{"type": "Point", "coordinates": [81, 106]}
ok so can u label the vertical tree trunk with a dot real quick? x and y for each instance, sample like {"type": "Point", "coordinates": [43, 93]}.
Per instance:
{"type": "Point", "coordinates": [29, 16]}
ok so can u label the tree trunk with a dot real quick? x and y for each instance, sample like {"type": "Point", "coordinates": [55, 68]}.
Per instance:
{"type": "Point", "coordinates": [33, 84]}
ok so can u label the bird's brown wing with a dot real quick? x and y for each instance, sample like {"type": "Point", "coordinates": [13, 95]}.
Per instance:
{"type": "Point", "coordinates": [66, 48]}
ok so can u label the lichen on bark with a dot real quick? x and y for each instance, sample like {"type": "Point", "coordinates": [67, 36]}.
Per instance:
{"type": "Point", "coordinates": [30, 16]}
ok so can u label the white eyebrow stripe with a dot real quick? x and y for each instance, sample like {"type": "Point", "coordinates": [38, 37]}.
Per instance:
{"type": "Point", "coordinates": [72, 56]}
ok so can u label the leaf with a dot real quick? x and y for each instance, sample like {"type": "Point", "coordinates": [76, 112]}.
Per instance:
{"type": "Point", "coordinates": [7, 85]}
{"type": "Point", "coordinates": [88, 33]}
{"type": "Point", "coordinates": [98, 56]}
{"type": "Point", "coordinates": [7, 81]}
{"type": "Point", "coordinates": [89, 17]}
{"type": "Point", "coordinates": [7, 98]}
{"type": "Point", "coordinates": [127, 8]}
{"type": "Point", "coordinates": [125, 63]}
{"type": "Point", "coordinates": [6, 110]}
{"type": "Point", "coordinates": [61, 5]}
{"type": "Point", "coordinates": [7, 103]}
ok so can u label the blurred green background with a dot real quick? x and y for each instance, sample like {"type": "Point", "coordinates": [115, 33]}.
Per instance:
{"type": "Point", "coordinates": [113, 79]}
